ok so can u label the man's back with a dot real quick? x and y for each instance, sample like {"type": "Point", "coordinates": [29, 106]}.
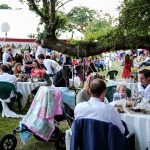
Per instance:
{"type": "Point", "coordinates": [8, 78]}
{"type": "Point", "coordinates": [95, 109]}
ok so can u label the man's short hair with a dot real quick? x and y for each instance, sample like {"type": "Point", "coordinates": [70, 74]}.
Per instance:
{"type": "Point", "coordinates": [41, 56]}
{"type": "Point", "coordinates": [146, 72]}
{"type": "Point", "coordinates": [5, 68]}
{"type": "Point", "coordinates": [38, 42]}
{"type": "Point", "coordinates": [97, 87]}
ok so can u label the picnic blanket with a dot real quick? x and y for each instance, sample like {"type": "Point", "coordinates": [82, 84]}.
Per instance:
{"type": "Point", "coordinates": [40, 117]}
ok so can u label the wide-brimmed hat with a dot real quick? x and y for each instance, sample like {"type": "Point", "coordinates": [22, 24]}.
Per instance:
{"type": "Point", "coordinates": [8, 47]}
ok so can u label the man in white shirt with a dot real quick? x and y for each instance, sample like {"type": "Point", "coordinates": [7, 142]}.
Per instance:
{"type": "Point", "coordinates": [39, 50]}
{"type": "Point", "coordinates": [6, 77]}
{"type": "Point", "coordinates": [144, 82]}
{"type": "Point", "coordinates": [54, 70]}
{"type": "Point", "coordinates": [96, 109]}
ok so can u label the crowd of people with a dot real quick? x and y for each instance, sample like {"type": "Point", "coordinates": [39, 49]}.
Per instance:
{"type": "Point", "coordinates": [90, 101]}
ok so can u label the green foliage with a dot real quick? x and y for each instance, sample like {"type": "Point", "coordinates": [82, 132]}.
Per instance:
{"type": "Point", "coordinates": [135, 17]}
{"type": "Point", "coordinates": [81, 16]}
{"type": "Point", "coordinates": [51, 18]}
{"type": "Point", "coordinates": [4, 6]}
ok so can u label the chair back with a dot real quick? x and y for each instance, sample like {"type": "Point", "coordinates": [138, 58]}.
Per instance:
{"type": "Point", "coordinates": [90, 134]}
{"type": "Point", "coordinates": [110, 90]}
{"type": "Point", "coordinates": [5, 89]}
{"type": "Point", "coordinates": [112, 74]}
{"type": "Point", "coordinates": [68, 112]}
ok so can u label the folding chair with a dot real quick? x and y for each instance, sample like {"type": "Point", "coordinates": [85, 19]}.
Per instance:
{"type": "Point", "coordinates": [5, 91]}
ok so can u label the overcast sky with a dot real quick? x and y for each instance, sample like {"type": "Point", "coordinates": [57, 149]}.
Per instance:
{"type": "Point", "coordinates": [22, 22]}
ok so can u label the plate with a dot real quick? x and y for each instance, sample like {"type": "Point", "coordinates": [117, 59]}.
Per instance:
{"type": "Point", "coordinates": [136, 109]}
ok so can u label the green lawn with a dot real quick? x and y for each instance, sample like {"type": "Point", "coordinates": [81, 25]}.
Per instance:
{"type": "Point", "coordinates": [7, 124]}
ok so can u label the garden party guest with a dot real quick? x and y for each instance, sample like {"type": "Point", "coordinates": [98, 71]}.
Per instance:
{"type": "Point", "coordinates": [144, 82]}
{"type": "Point", "coordinates": [37, 71]}
{"type": "Point", "coordinates": [127, 67]}
{"type": "Point", "coordinates": [84, 94]}
{"type": "Point", "coordinates": [95, 108]}
{"type": "Point", "coordinates": [7, 55]}
{"type": "Point", "coordinates": [17, 69]}
{"type": "Point", "coordinates": [54, 70]}
{"type": "Point", "coordinates": [39, 49]}
{"type": "Point", "coordinates": [27, 62]}
{"type": "Point", "coordinates": [6, 77]}
{"type": "Point", "coordinates": [121, 93]}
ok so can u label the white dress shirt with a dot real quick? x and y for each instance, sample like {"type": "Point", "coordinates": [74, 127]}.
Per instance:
{"type": "Point", "coordinates": [8, 78]}
{"type": "Point", "coordinates": [95, 109]}
{"type": "Point", "coordinates": [6, 56]}
{"type": "Point", "coordinates": [49, 63]}
{"type": "Point", "coordinates": [39, 51]}
{"type": "Point", "coordinates": [140, 88]}
{"type": "Point", "coordinates": [146, 92]}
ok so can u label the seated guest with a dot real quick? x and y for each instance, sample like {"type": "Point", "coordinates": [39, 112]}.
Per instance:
{"type": "Point", "coordinates": [146, 62]}
{"type": "Point", "coordinates": [19, 73]}
{"type": "Point", "coordinates": [27, 62]}
{"type": "Point", "coordinates": [17, 69]}
{"type": "Point", "coordinates": [84, 94]}
{"type": "Point", "coordinates": [37, 70]}
{"type": "Point", "coordinates": [96, 109]}
{"type": "Point", "coordinates": [121, 93]}
{"type": "Point", "coordinates": [6, 77]}
{"type": "Point", "coordinates": [144, 82]}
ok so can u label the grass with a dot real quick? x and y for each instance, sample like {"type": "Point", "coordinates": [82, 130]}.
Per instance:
{"type": "Point", "coordinates": [8, 124]}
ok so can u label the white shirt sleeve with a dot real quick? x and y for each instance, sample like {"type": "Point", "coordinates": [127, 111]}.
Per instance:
{"type": "Point", "coordinates": [116, 120]}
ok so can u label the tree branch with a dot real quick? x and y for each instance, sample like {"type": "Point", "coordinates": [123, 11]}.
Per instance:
{"type": "Point", "coordinates": [63, 4]}
{"type": "Point", "coordinates": [36, 9]}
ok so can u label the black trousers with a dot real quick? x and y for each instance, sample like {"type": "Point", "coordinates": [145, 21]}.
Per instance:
{"type": "Point", "coordinates": [58, 79]}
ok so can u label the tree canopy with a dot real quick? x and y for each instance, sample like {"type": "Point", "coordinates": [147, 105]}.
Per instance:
{"type": "Point", "coordinates": [5, 6]}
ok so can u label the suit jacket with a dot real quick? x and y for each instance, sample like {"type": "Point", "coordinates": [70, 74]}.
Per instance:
{"type": "Point", "coordinates": [90, 134]}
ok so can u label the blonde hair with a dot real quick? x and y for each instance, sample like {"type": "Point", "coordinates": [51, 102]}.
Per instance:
{"type": "Point", "coordinates": [16, 67]}
{"type": "Point", "coordinates": [120, 86]}
{"type": "Point", "coordinates": [91, 77]}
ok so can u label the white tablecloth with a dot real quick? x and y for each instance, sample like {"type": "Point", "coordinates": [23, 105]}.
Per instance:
{"type": "Point", "coordinates": [132, 86]}
{"type": "Point", "coordinates": [77, 82]}
{"type": "Point", "coordinates": [25, 89]}
{"type": "Point", "coordinates": [140, 125]}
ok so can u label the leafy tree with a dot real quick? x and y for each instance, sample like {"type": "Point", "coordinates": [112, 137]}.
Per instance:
{"type": "Point", "coordinates": [135, 17]}
{"type": "Point", "coordinates": [81, 17]}
{"type": "Point", "coordinates": [134, 21]}
{"type": "Point", "coordinates": [51, 17]}
{"type": "Point", "coordinates": [4, 6]}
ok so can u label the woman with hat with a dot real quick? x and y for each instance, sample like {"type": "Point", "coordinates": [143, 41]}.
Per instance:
{"type": "Point", "coordinates": [7, 57]}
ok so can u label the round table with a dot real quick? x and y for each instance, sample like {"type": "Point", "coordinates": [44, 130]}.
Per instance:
{"type": "Point", "coordinates": [25, 89]}
{"type": "Point", "coordinates": [139, 124]}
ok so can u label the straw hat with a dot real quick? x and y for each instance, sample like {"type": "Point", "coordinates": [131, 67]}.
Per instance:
{"type": "Point", "coordinates": [8, 47]}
